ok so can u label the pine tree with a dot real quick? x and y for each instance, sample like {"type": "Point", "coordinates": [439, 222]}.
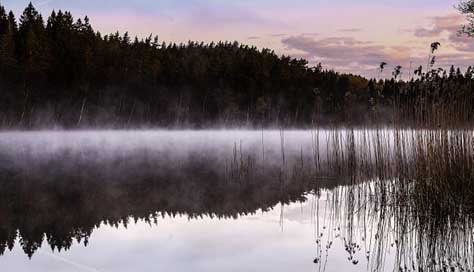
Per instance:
{"type": "Point", "coordinates": [7, 44]}
{"type": "Point", "coordinates": [33, 45]}
{"type": "Point", "coordinates": [3, 20]}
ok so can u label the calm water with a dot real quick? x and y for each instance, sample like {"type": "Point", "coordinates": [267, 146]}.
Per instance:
{"type": "Point", "coordinates": [215, 201]}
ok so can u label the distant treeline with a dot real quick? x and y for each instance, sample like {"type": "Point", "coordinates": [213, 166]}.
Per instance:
{"type": "Point", "coordinates": [61, 72]}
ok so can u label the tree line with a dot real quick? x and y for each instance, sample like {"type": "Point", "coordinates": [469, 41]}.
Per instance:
{"type": "Point", "coordinates": [60, 72]}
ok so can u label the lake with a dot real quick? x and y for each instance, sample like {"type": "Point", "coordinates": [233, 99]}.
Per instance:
{"type": "Point", "coordinates": [237, 200]}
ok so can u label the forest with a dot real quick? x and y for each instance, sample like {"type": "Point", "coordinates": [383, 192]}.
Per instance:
{"type": "Point", "coordinates": [61, 73]}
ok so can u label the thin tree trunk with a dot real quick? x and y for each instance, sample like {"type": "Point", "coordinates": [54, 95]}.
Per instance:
{"type": "Point", "coordinates": [131, 112]}
{"type": "Point", "coordinates": [25, 104]}
{"type": "Point", "coordinates": [82, 111]}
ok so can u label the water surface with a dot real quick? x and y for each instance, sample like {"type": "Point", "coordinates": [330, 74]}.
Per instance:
{"type": "Point", "coordinates": [221, 200]}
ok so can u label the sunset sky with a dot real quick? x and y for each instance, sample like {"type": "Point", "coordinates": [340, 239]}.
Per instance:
{"type": "Point", "coordinates": [345, 35]}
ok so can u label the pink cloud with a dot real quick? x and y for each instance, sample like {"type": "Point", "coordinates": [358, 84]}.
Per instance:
{"type": "Point", "coordinates": [347, 54]}
{"type": "Point", "coordinates": [448, 23]}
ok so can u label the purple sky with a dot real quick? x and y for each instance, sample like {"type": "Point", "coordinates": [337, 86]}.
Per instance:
{"type": "Point", "coordinates": [346, 35]}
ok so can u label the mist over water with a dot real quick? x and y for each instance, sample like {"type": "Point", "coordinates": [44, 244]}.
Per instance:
{"type": "Point", "coordinates": [177, 144]}
{"type": "Point", "coordinates": [277, 200]}
{"type": "Point", "coordinates": [139, 151]}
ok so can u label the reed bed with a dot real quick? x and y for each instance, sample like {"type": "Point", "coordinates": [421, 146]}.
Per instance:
{"type": "Point", "coordinates": [411, 193]}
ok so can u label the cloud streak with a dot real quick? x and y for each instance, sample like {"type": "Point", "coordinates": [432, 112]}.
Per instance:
{"type": "Point", "coordinates": [440, 24]}
{"type": "Point", "coordinates": [447, 28]}
{"type": "Point", "coordinates": [347, 54]}
{"type": "Point", "coordinates": [350, 30]}
{"type": "Point", "coordinates": [253, 38]}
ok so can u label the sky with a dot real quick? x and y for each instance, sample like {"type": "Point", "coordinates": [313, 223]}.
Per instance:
{"type": "Point", "coordinates": [351, 36]}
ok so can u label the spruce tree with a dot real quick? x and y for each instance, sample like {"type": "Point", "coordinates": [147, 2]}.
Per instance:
{"type": "Point", "coordinates": [33, 45]}
{"type": "Point", "coordinates": [7, 44]}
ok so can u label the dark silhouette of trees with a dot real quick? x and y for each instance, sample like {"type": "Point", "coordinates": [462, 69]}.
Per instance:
{"type": "Point", "coordinates": [8, 28]}
{"type": "Point", "coordinates": [62, 73]}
